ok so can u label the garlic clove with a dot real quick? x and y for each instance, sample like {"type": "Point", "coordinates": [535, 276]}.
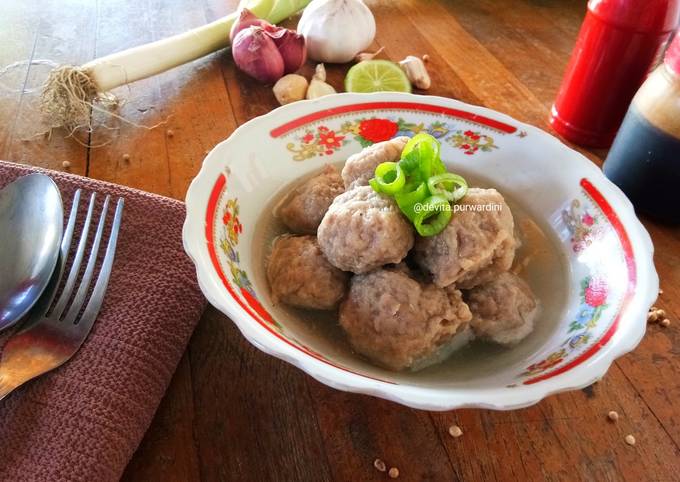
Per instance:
{"type": "Point", "coordinates": [415, 70]}
{"type": "Point", "coordinates": [290, 88]}
{"type": "Point", "coordinates": [320, 72]}
{"type": "Point", "coordinates": [319, 88]}
{"type": "Point", "coordinates": [368, 55]}
{"type": "Point", "coordinates": [337, 30]}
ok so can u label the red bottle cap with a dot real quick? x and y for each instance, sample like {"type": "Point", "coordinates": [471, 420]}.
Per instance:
{"type": "Point", "coordinates": [640, 15]}
{"type": "Point", "coordinates": [672, 59]}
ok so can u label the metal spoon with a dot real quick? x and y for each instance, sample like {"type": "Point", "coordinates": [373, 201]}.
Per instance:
{"type": "Point", "coordinates": [31, 225]}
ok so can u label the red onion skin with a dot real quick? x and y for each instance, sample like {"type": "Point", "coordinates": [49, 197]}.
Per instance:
{"type": "Point", "coordinates": [255, 53]}
{"type": "Point", "coordinates": [292, 47]}
{"type": "Point", "coordinates": [246, 19]}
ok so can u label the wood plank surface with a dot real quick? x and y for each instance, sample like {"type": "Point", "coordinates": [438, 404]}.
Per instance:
{"type": "Point", "coordinates": [234, 413]}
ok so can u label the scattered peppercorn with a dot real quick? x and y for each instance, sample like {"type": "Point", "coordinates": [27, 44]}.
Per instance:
{"type": "Point", "coordinates": [170, 133]}
{"type": "Point", "coordinates": [380, 465]}
{"type": "Point", "coordinates": [426, 58]}
{"type": "Point", "coordinates": [66, 164]}
{"type": "Point", "coordinates": [455, 431]}
{"type": "Point", "coordinates": [393, 473]}
{"type": "Point", "coordinates": [126, 157]}
{"type": "Point", "coordinates": [630, 440]}
{"type": "Point", "coordinates": [613, 416]}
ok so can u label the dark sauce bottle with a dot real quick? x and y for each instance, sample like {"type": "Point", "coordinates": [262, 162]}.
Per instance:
{"type": "Point", "coordinates": [644, 160]}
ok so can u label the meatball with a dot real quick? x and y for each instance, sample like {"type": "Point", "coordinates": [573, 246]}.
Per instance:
{"type": "Point", "coordinates": [397, 321]}
{"type": "Point", "coordinates": [501, 261]}
{"type": "Point", "coordinates": [476, 245]}
{"type": "Point", "coordinates": [363, 230]}
{"type": "Point", "coordinates": [299, 275]}
{"type": "Point", "coordinates": [303, 210]}
{"type": "Point", "coordinates": [360, 167]}
{"type": "Point", "coordinates": [504, 310]}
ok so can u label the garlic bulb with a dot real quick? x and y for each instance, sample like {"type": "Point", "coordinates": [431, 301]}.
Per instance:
{"type": "Point", "coordinates": [337, 30]}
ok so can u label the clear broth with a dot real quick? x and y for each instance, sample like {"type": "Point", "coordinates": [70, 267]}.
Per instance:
{"type": "Point", "coordinates": [542, 266]}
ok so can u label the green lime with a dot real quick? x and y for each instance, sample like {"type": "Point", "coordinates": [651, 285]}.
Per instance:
{"type": "Point", "coordinates": [376, 76]}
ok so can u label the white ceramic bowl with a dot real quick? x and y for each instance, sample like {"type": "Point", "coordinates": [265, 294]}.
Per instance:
{"type": "Point", "coordinates": [606, 287]}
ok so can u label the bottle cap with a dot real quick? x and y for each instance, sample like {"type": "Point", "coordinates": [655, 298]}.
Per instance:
{"type": "Point", "coordinates": [672, 58]}
{"type": "Point", "coordinates": [648, 16]}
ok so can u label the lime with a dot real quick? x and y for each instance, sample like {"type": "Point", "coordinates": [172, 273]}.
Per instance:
{"type": "Point", "coordinates": [376, 76]}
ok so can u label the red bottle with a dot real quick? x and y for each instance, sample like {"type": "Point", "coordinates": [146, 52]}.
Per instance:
{"type": "Point", "coordinates": [620, 41]}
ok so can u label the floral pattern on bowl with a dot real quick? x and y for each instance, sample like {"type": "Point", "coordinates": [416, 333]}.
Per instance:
{"type": "Point", "coordinates": [324, 141]}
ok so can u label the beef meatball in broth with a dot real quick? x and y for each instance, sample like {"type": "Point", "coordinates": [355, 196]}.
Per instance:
{"type": "Point", "coordinates": [476, 245]}
{"type": "Point", "coordinates": [397, 321]}
{"type": "Point", "coordinates": [363, 230]}
{"type": "Point", "coordinates": [299, 275]}
{"type": "Point", "coordinates": [501, 261]}
{"type": "Point", "coordinates": [360, 167]}
{"type": "Point", "coordinates": [303, 210]}
{"type": "Point", "coordinates": [503, 310]}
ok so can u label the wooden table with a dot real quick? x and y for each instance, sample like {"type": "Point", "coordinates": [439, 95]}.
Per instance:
{"type": "Point", "coordinates": [234, 413]}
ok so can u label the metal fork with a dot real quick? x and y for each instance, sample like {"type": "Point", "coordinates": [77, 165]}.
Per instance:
{"type": "Point", "coordinates": [51, 337]}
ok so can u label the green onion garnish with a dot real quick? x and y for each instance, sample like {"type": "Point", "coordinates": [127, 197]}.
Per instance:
{"type": "Point", "coordinates": [420, 157]}
{"type": "Point", "coordinates": [453, 187]}
{"type": "Point", "coordinates": [437, 210]}
{"type": "Point", "coordinates": [408, 198]}
{"type": "Point", "coordinates": [389, 177]}
{"type": "Point", "coordinates": [428, 145]}
{"type": "Point", "coordinates": [420, 178]}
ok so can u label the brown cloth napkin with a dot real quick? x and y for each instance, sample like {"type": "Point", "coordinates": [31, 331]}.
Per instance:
{"type": "Point", "coordinates": [84, 420]}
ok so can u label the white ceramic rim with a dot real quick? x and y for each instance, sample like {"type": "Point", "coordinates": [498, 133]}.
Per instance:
{"type": "Point", "coordinates": [631, 328]}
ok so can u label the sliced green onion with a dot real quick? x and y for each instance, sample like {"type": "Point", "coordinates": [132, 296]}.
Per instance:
{"type": "Point", "coordinates": [437, 211]}
{"type": "Point", "coordinates": [389, 177]}
{"type": "Point", "coordinates": [426, 143]}
{"type": "Point", "coordinates": [453, 187]}
{"type": "Point", "coordinates": [430, 167]}
{"type": "Point", "coordinates": [409, 197]}
{"type": "Point", "coordinates": [409, 163]}
{"type": "Point", "coordinates": [421, 155]}
{"type": "Point", "coordinates": [420, 184]}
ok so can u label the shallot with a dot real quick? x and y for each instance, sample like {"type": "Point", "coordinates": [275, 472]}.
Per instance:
{"type": "Point", "coordinates": [245, 19]}
{"type": "Point", "coordinates": [255, 53]}
{"type": "Point", "coordinates": [268, 52]}
{"type": "Point", "coordinates": [291, 46]}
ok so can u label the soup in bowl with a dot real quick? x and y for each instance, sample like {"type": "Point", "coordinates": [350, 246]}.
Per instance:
{"type": "Point", "coordinates": [495, 307]}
